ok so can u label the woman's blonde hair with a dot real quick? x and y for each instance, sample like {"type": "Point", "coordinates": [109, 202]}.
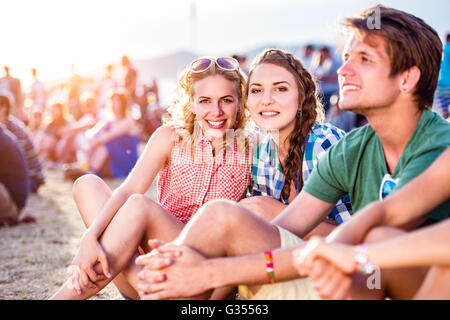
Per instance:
{"type": "Point", "coordinates": [180, 113]}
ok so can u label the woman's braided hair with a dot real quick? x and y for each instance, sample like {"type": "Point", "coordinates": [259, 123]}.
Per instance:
{"type": "Point", "coordinates": [310, 110]}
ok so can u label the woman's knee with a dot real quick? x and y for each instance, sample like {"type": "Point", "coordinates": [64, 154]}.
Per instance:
{"type": "Point", "coordinates": [86, 182]}
{"type": "Point", "coordinates": [139, 206]}
{"type": "Point", "coordinates": [436, 284]}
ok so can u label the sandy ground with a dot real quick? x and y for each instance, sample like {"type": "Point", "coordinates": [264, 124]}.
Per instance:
{"type": "Point", "coordinates": [34, 257]}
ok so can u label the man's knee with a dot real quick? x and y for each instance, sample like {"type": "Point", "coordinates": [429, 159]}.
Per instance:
{"type": "Point", "coordinates": [219, 212]}
{"type": "Point", "coordinates": [383, 233]}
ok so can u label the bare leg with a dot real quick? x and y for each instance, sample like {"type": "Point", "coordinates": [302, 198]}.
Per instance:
{"type": "Point", "coordinates": [224, 228]}
{"type": "Point", "coordinates": [400, 283]}
{"type": "Point", "coordinates": [90, 194]}
{"type": "Point", "coordinates": [268, 209]}
{"type": "Point", "coordinates": [436, 285]}
{"type": "Point", "coordinates": [138, 220]}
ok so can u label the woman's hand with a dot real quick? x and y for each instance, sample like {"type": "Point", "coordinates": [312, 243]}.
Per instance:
{"type": "Point", "coordinates": [89, 254]}
{"type": "Point", "coordinates": [78, 280]}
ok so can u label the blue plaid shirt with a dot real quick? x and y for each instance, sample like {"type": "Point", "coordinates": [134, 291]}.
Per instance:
{"type": "Point", "coordinates": [268, 179]}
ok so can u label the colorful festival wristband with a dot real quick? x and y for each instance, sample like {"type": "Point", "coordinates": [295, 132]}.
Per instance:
{"type": "Point", "coordinates": [269, 267]}
{"type": "Point", "coordinates": [363, 264]}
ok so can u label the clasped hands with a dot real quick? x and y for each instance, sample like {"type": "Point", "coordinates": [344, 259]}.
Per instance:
{"type": "Point", "coordinates": [171, 271]}
{"type": "Point", "coordinates": [175, 271]}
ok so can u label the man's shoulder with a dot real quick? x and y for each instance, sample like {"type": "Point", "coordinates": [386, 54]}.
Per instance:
{"type": "Point", "coordinates": [355, 139]}
{"type": "Point", "coordinates": [434, 129]}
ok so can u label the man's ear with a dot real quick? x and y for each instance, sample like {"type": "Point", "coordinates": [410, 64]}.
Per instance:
{"type": "Point", "coordinates": [410, 79]}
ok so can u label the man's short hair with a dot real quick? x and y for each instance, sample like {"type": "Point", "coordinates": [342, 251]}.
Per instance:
{"type": "Point", "coordinates": [409, 42]}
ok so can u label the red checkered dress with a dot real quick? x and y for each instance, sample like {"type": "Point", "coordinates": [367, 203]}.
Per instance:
{"type": "Point", "coordinates": [186, 183]}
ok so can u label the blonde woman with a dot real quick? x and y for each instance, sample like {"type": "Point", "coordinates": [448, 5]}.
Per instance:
{"type": "Point", "coordinates": [193, 166]}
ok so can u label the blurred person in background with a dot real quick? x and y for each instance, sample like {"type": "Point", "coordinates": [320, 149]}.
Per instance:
{"type": "Point", "coordinates": [324, 67]}
{"type": "Point", "coordinates": [14, 86]}
{"type": "Point", "coordinates": [51, 144]}
{"type": "Point", "coordinates": [242, 59]}
{"type": "Point", "coordinates": [74, 138]}
{"type": "Point", "coordinates": [306, 56]}
{"type": "Point", "coordinates": [130, 79]}
{"type": "Point", "coordinates": [25, 143]}
{"type": "Point", "coordinates": [14, 182]}
{"type": "Point", "coordinates": [151, 111]}
{"type": "Point", "coordinates": [35, 124]}
{"type": "Point", "coordinates": [74, 86]}
{"type": "Point", "coordinates": [37, 94]}
{"type": "Point", "coordinates": [343, 119]}
{"type": "Point", "coordinates": [113, 142]}
{"type": "Point", "coordinates": [443, 89]}
{"type": "Point", "coordinates": [105, 86]}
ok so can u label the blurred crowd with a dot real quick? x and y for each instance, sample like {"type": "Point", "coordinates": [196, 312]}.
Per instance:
{"type": "Point", "coordinates": [82, 125]}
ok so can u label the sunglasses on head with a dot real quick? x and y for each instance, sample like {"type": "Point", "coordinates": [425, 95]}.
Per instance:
{"type": "Point", "coordinates": [387, 185]}
{"type": "Point", "coordinates": [224, 63]}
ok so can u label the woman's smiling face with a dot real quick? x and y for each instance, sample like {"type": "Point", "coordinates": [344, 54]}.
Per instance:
{"type": "Point", "coordinates": [215, 104]}
{"type": "Point", "coordinates": [273, 98]}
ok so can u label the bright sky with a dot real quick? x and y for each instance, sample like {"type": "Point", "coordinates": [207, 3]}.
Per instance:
{"type": "Point", "coordinates": [51, 34]}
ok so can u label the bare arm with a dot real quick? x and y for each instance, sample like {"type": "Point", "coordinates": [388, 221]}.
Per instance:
{"type": "Point", "coordinates": [151, 161]}
{"type": "Point", "coordinates": [124, 126]}
{"type": "Point", "coordinates": [424, 247]}
{"type": "Point", "coordinates": [419, 196]}
{"type": "Point", "coordinates": [303, 214]}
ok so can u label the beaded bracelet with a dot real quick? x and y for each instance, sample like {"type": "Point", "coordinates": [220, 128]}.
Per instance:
{"type": "Point", "coordinates": [269, 267]}
{"type": "Point", "coordinates": [363, 264]}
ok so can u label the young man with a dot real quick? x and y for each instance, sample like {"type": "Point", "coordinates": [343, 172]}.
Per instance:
{"type": "Point", "coordinates": [389, 75]}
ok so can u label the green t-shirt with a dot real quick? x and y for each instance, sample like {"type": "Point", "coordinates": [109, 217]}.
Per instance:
{"type": "Point", "coordinates": [356, 164]}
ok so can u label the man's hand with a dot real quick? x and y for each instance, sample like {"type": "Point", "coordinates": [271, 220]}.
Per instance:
{"type": "Point", "coordinates": [328, 265]}
{"type": "Point", "coordinates": [171, 271]}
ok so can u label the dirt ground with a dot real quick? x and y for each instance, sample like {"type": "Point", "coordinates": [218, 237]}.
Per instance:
{"type": "Point", "coordinates": [34, 257]}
